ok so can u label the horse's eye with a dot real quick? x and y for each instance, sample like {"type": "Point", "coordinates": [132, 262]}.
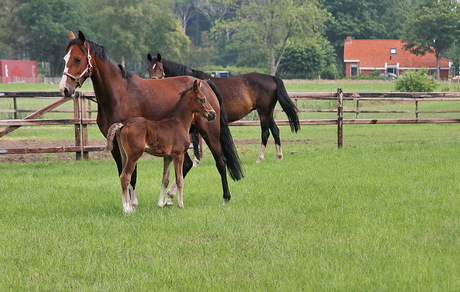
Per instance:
{"type": "Point", "coordinates": [202, 100]}
{"type": "Point", "coordinates": [78, 60]}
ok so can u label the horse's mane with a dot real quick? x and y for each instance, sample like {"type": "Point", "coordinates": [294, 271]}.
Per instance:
{"type": "Point", "coordinates": [102, 53]}
{"type": "Point", "coordinates": [175, 69]}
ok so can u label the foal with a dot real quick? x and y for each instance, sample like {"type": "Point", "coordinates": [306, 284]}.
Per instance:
{"type": "Point", "coordinates": [168, 138]}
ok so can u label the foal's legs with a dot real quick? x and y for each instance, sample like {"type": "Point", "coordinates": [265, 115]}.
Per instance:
{"type": "Point", "coordinates": [164, 184]}
{"type": "Point", "coordinates": [125, 178]}
{"type": "Point", "coordinates": [187, 165]}
{"type": "Point", "coordinates": [118, 160]}
{"type": "Point", "coordinates": [178, 162]}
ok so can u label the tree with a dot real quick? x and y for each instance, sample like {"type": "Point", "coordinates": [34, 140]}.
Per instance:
{"type": "Point", "coordinates": [364, 19]}
{"type": "Point", "coordinates": [270, 24]}
{"type": "Point", "coordinates": [44, 28]}
{"type": "Point", "coordinates": [433, 27]}
{"type": "Point", "coordinates": [131, 29]}
{"type": "Point", "coordinates": [312, 59]}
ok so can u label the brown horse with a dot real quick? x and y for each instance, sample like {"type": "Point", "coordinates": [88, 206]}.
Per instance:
{"type": "Point", "coordinates": [122, 95]}
{"type": "Point", "coordinates": [241, 95]}
{"type": "Point", "coordinates": [159, 73]}
{"type": "Point", "coordinates": [168, 138]}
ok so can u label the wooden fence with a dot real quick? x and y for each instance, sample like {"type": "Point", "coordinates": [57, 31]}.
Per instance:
{"type": "Point", "coordinates": [83, 114]}
{"type": "Point", "coordinates": [81, 119]}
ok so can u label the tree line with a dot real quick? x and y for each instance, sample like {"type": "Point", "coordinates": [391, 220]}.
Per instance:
{"type": "Point", "coordinates": [289, 38]}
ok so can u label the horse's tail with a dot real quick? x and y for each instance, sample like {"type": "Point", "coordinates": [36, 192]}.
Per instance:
{"type": "Point", "coordinates": [226, 141]}
{"type": "Point", "coordinates": [111, 135]}
{"type": "Point", "coordinates": [286, 103]}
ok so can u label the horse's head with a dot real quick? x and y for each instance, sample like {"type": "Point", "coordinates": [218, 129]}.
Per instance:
{"type": "Point", "coordinates": [200, 103]}
{"type": "Point", "coordinates": [78, 64]}
{"type": "Point", "coordinates": [155, 67]}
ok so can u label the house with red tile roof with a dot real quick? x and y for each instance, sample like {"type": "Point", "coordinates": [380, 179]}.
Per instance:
{"type": "Point", "coordinates": [387, 56]}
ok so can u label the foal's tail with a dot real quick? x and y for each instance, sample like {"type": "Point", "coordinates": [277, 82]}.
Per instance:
{"type": "Point", "coordinates": [226, 141]}
{"type": "Point", "coordinates": [111, 135]}
{"type": "Point", "coordinates": [286, 103]}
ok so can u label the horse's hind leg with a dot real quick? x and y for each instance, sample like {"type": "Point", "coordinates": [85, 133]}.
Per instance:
{"type": "Point", "coordinates": [125, 179]}
{"type": "Point", "coordinates": [276, 135]}
{"type": "Point", "coordinates": [213, 142]}
{"type": "Point", "coordinates": [118, 160]}
{"type": "Point", "coordinates": [264, 125]}
{"type": "Point", "coordinates": [164, 184]}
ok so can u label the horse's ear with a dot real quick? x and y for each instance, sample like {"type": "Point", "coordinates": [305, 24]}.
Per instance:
{"type": "Point", "coordinates": [149, 57]}
{"type": "Point", "coordinates": [197, 85]}
{"type": "Point", "coordinates": [158, 57]}
{"type": "Point", "coordinates": [81, 36]}
{"type": "Point", "coordinates": [71, 35]}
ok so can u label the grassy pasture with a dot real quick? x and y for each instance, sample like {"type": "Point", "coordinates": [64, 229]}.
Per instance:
{"type": "Point", "coordinates": [379, 214]}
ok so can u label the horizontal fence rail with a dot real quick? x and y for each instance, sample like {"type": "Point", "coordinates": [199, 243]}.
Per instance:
{"type": "Point", "coordinates": [82, 115]}
{"type": "Point", "coordinates": [81, 111]}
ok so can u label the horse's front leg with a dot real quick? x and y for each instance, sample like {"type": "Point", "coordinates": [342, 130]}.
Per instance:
{"type": "Point", "coordinates": [187, 165]}
{"type": "Point", "coordinates": [178, 162]}
{"type": "Point", "coordinates": [164, 184]}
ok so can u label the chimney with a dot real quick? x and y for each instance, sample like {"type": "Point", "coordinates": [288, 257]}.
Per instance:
{"type": "Point", "coordinates": [348, 40]}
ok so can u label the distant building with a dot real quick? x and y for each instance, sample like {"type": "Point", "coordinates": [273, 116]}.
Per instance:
{"type": "Point", "coordinates": [18, 71]}
{"type": "Point", "coordinates": [387, 56]}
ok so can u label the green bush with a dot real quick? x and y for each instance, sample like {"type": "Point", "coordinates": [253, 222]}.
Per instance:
{"type": "Point", "coordinates": [416, 81]}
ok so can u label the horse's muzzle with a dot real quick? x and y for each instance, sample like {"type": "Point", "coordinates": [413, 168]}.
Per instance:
{"type": "Point", "coordinates": [67, 93]}
{"type": "Point", "coordinates": [211, 116]}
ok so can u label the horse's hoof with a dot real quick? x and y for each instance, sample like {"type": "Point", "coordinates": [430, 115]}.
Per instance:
{"type": "Point", "coordinates": [129, 210]}
{"type": "Point", "coordinates": [226, 199]}
{"type": "Point", "coordinates": [196, 162]}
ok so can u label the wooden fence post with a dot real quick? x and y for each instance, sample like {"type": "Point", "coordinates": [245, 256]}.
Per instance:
{"type": "Point", "coordinates": [339, 117]}
{"type": "Point", "coordinates": [76, 114]}
{"type": "Point", "coordinates": [84, 127]}
{"type": "Point", "coordinates": [15, 106]}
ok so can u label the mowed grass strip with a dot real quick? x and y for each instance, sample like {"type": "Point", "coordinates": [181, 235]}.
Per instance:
{"type": "Point", "coordinates": [379, 214]}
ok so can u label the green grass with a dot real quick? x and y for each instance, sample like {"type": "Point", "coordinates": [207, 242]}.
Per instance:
{"type": "Point", "coordinates": [379, 214]}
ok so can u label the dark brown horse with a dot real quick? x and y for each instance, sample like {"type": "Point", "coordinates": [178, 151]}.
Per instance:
{"type": "Point", "coordinates": [122, 95]}
{"type": "Point", "coordinates": [168, 138]}
{"type": "Point", "coordinates": [241, 95]}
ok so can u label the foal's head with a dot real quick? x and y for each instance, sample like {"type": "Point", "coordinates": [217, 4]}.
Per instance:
{"type": "Point", "coordinates": [155, 67]}
{"type": "Point", "coordinates": [198, 103]}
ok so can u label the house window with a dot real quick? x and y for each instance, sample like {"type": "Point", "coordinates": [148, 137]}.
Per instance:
{"type": "Point", "coordinates": [354, 69]}
{"type": "Point", "coordinates": [391, 70]}
{"type": "Point", "coordinates": [393, 51]}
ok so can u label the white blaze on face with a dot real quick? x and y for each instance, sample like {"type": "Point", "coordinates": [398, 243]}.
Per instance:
{"type": "Point", "coordinates": [66, 69]}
